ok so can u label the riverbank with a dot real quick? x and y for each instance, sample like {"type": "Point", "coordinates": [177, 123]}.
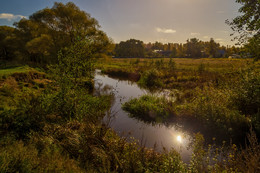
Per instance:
{"type": "Point", "coordinates": [211, 90]}
{"type": "Point", "coordinates": [50, 130]}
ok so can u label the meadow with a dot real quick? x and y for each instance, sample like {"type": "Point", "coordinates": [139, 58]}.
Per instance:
{"type": "Point", "coordinates": [48, 122]}
{"type": "Point", "coordinates": [52, 120]}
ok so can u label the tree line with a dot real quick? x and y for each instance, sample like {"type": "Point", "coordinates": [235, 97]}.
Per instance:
{"type": "Point", "coordinates": [193, 48]}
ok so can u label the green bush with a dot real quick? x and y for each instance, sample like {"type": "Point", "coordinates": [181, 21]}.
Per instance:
{"type": "Point", "coordinates": [215, 107]}
{"type": "Point", "coordinates": [149, 108]}
{"type": "Point", "coordinates": [247, 93]}
{"type": "Point", "coordinates": [247, 96]}
{"type": "Point", "coordinates": [150, 79]}
{"type": "Point", "coordinates": [20, 157]}
{"type": "Point", "coordinates": [26, 117]}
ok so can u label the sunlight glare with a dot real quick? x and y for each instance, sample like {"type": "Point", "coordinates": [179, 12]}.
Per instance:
{"type": "Point", "coordinates": [179, 139]}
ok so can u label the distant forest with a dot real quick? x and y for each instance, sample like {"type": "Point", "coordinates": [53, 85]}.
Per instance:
{"type": "Point", "coordinates": [193, 48]}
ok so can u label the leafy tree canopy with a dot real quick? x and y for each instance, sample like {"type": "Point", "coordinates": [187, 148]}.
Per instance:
{"type": "Point", "coordinates": [48, 30]}
{"type": "Point", "coordinates": [6, 42]}
{"type": "Point", "coordinates": [130, 49]}
{"type": "Point", "coordinates": [247, 25]}
{"type": "Point", "coordinates": [193, 48]}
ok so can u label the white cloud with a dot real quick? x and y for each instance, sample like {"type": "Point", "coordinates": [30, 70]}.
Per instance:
{"type": "Point", "coordinates": [166, 31]}
{"type": "Point", "coordinates": [10, 17]}
{"type": "Point", "coordinates": [219, 39]}
{"type": "Point", "coordinates": [206, 37]}
{"type": "Point", "coordinates": [194, 33]}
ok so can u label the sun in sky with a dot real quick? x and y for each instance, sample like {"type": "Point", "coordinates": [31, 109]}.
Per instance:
{"type": "Point", "coordinates": [179, 138]}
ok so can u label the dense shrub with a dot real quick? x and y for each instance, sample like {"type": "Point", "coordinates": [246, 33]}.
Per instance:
{"type": "Point", "coordinates": [28, 76]}
{"type": "Point", "coordinates": [99, 149]}
{"type": "Point", "coordinates": [20, 157]}
{"type": "Point", "coordinates": [246, 96]}
{"type": "Point", "coordinates": [215, 107]}
{"type": "Point", "coordinates": [150, 79]}
{"type": "Point", "coordinates": [26, 117]}
{"type": "Point", "coordinates": [224, 158]}
{"type": "Point", "coordinates": [78, 104]}
{"type": "Point", "coordinates": [149, 108]}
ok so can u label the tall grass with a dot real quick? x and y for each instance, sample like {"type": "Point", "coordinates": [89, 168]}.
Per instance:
{"type": "Point", "coordinates": [149, 108]}
{"type": "Point", "coordinates": [150, 79]}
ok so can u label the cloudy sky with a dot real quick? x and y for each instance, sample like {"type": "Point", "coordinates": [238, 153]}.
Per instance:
{"type": "Point", "coordinates": [147, 20]}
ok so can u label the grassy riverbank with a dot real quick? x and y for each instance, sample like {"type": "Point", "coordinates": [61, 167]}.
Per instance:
{"type": "Point", "coordinates": [45, 128]}
{"type": "Point", "coordinates": [219, 92]}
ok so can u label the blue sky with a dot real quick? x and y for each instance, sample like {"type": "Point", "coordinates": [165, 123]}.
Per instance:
{"type": "Point", "coordinates": [147, 20]}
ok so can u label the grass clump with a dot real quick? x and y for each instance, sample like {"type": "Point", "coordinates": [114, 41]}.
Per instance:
{"type": "Point", "coordinates": [149, 108]}
{"type": "Point", "coordinates": [150, 79]}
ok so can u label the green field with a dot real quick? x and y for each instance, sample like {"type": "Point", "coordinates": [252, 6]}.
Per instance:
{"type": "Point", "coordinates": [9, 71]}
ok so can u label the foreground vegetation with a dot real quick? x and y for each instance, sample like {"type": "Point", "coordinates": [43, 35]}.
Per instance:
{"type": "Point", "coordinates": [51, 122]}
{"type": "Point", "coordinates": [52, 129]}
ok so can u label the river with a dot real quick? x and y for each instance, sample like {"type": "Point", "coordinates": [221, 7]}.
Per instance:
{"type": "Point", "coordinates": [158, 136]}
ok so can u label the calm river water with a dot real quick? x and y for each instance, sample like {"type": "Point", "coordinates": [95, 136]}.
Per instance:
{"type": "Point", "coordinates": [147, 134]}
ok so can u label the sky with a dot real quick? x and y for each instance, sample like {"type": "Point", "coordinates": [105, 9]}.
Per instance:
{"type": "Point", "coordinates": [165, 21]}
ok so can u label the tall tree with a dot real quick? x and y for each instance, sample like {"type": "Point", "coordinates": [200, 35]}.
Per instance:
{"type": "Point", "coordinates": [130, 49]}
{"type": "Point", "coordinates": [60, 26]}
{"type": "Point", "coordinates": [7, 43]}
{"type": "Point", "coordinates": [180, 51]}
{"type": "Point", "coordinates": [193, 48]}
{"type": "Point", "coordinates": [247, 25]}
{"type": "Point", "coordinates": [157, 46]}
{"type": "Point", "coordinates": [253, 47]}
{"type": "Point", "coordinates": [212, 48]}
